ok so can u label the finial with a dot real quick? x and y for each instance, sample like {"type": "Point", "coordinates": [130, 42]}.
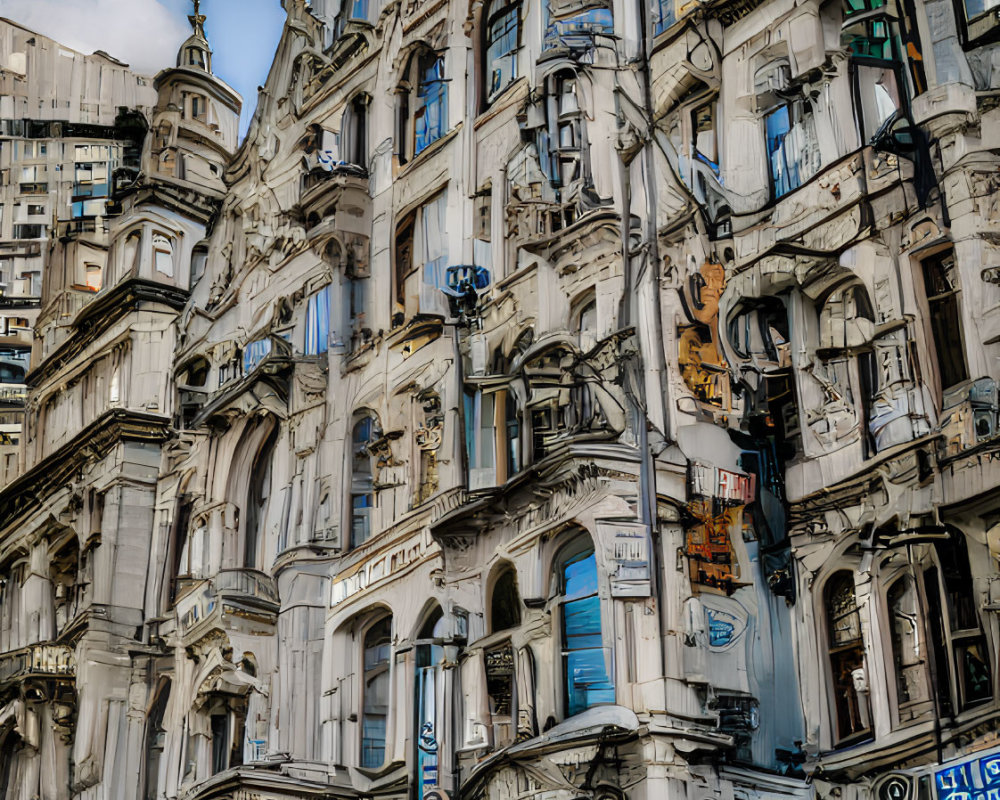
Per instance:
{"type": "Point", "coordinates": [197, 19]}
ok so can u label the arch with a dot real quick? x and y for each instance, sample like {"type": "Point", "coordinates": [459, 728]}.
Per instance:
{"type": "Point", "coordinates": [504, 598]}
{"type": "Point", "coordinates": [249, 482]}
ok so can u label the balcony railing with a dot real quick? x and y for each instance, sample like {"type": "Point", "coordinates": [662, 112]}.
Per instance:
{"type": "Point", "coordinates": [37, 660]}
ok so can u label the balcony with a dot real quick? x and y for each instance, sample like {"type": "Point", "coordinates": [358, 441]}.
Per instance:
{"type": "Point", "coordinates": [45, 661]}
{"type": "Point", "coordinates": [34, 188]}
{"type": "Point", "coordinates": [233, 598]}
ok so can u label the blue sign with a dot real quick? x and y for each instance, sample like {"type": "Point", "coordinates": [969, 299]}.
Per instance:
{"type": "Point", "coordinates": [720, 632]}
{"type": "Point", "coordinates": [978, 779]}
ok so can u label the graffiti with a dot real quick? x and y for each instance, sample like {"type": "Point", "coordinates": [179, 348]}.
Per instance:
{"type": "Point", "coordinates": [720, 631]}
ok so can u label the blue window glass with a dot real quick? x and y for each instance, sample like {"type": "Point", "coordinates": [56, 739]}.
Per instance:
{"type": "Point", "coordinates": [318, 322]}
{"type": "Point", "coordinates": [502, 26]}
{"type": "Point", "coordinates": [785, 178]}
{"type": "Point", "coordinates": [362, 479]}
{"type": "Point", "coordinates": [585, 669]}
{"type": "Point", "coordinates": [254, 353]}
{"type": "Point", "coordinates": [359, 9]}
{"type": "Point", "coordinates": [663, 15]}
{"type": "Point", "coordinates": [568, 29]}
{"type": "Point", "coordinates": [431, 113]}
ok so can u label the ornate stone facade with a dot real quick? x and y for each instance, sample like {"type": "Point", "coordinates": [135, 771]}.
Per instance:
{"type": "Point", "coordinates": [547, 399]}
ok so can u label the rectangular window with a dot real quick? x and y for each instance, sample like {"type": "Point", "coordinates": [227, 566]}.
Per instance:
{"type": "Point", "coordinates": [565, 22]}
{"type": "Point", "coordinates": [318, 322]}
{"type": "Point", "coordinates": [421, 242]}
{"type": "Point", "coordinates": [703, 127]}
{"type": "Point", "coordinates": [941, 288]}
{"type": "Point", "coordinates": [430, 117]}
{"type": "Point", "coordinates": [792, 146]}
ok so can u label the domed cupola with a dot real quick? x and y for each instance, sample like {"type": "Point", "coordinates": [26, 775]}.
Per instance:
{"type": "Point", "coordinates": [195, 51]}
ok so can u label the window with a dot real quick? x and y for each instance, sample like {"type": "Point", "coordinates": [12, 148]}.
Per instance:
{"type": "Point", "coordinates": [941, 288]}
{"type": "Point", "coordinates": [503, 21]}
{"type": "Point", "coordinates": [852, 716]}
{"type": "Point", "coordinates": [422, 245]}
{"type": "Point", "coordinates": [256, 500]}
{"type": "Point", "coordinates": [198, 107]}
{"type": "Point", "coordinates": [93, 274]}
{"type": "Point", "coordinates": [430, 657]}
{"type": "Point", "coordinates": [376, 690]}
{"type": "Point", "coordinates": [961, 658]}
{"type": "Point", "coordinates": [199, 260]}
{"type": "Point", "coordinates": [155, 738]}
{"type": "Point", "coordinates": [163, 255]}
{"type": "Point", "coordinates": [847, 328]}
{"type": "Point", "coordinates": [792, 146]}
{"type": "Point", "coordinates": [365, 432]}
{"type": "Point", "coordinates": [705, 144]}
{"type": "Point", "coordinates": [906, 633]}
{"type": "Point", "coordinates": [505, 603]}
{"type": "Point", "coordinates": [877, 72]}
{"type": "Point", "coordinates": [566, 25]}
{"type": "Point", "coordinates": [318, 322]}
{"type": "Point", "coordinates": [664, 15]}
{"type": "Point", "coordinates": [354, 132]}
{"type": "Point", "coordinates": [586, 680]}
{"type": "Point", "coordinates": [423, 116]}
{"type": "Point", "coordinates": [492, 437]}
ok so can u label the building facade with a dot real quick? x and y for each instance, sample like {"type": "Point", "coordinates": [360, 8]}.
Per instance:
{"type": "Point", "coordinates": [547, 399]}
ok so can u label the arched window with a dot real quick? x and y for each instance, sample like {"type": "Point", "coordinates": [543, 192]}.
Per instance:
{"type": "Point", "coordinates": [502, 32]}
{"type": "Point", "coordinates": [257, 496]}
{"type": "Point", "coordinates": [906, 634]}
{"type": "Point", "coordinates": [155, 735]}
{"type": "Point", "coordinates": [956, 635]}
{"type": "Point", "coordinates": [354, 132]}
{"type": "Point", "coordinates": [163, 255]}
{"type": "Point", "coordinates": [847, 323]}
{"type": "Point", "coordinates": [847, 659]}
{"type": "Point", "coordinates": [376, 690]}
{"type": "Point", "coordinates": [428, 717]}
{"type": "Point", "coordinates": [423, 113]}
{"type": "Point", "coordinates": [365, 432]}
{"type": "Point", "coordinates": [505, 603]}
{"type": "Point", "coordinates": [585, 659]}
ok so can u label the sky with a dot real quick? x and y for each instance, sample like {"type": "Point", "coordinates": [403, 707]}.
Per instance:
{"type": "Point", "coordinates": [146, 34]}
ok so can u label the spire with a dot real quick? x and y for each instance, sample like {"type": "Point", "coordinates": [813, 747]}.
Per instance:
{"type": "Point", "coordinates": [195, 51]}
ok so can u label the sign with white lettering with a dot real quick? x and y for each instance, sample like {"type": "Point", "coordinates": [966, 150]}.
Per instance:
{"type": "Point", "coordinates": [975, 779]}
{"type": "Point", "coordinates": [731, 488]}
{"type": "Point", "coordinates": [627, 547]}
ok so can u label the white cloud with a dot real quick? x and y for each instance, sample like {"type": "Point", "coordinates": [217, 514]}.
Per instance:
{"type": "Point", "coordinates": [142, 33]}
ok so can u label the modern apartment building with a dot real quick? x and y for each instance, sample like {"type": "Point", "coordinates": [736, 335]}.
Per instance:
{"type": "Point", "coordinates": [549, 399]}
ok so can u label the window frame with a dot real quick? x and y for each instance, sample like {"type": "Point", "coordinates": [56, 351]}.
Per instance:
{"type": "Point", "coordinates": [417, 96]}
{"type": "Point", "coordinates": [496, 12]}
{"type": "Point", "coordinates": [380, 669]}
{"type": "Point", "coordinates": [838, 738]}
{"type": "Point", "coordinates": [576, 549]}
{"type": "Point", "coordinates": [359, 491]}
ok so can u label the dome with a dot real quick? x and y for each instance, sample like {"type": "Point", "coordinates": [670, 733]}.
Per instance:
{"type": "Point", "coordinates": [195, 52]}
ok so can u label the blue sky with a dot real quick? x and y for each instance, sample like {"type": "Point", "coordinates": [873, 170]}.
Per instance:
{"type": "Point", "coordinates": [147, 33]}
